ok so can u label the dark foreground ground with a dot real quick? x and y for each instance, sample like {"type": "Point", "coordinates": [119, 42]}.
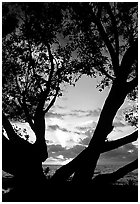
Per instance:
{"type": "Point", "coordinates": [72, 193]}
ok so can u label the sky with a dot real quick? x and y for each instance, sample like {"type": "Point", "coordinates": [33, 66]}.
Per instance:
{"type": "Point", "coordinates": [71, 122]}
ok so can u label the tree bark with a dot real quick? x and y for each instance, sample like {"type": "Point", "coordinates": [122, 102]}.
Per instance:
{"type": "Point", "coordinates": [8, 163]}
{"type": "Point", "coordinates": [113, 102]}
{"type": "Point", "coordinates": [24, 161]}
{"type": "Point", "coordinates": [104, 127]}
{"type": "Point", "coordinates": [120, 142]}
{"type": "Point", "coordinates": [87, 159]}
{"type": "Point", "coordinates": [67, 170]}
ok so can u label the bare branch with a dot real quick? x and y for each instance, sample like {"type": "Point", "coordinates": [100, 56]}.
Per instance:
{"type": "Point", "coordinates": [45, 93]}
{"type": "Point", "coordinates": [126, 169]}
{"type": "Point", "coordinates": [52, 64]}
{"type": "Point", "coordinates": [128, 59]}
{"type": "Point", "coordinates": [114, 24]}
{"type": "Point", "coordinates": [120, 142]}
{"type": "Point", "coordinates": [26, 111]}
{"type": "Point", "coordinates": [107, 74]}
{"type": "Point", "coordinates": [112, 177]}
{"type": "Point", "coordinates": [18, 87]}
{"type": "Point", "coordinates": [108, 43]}
{"type": "Point", "coordinates": [113, 145]}
{"type": "Point", "coordinates": [52, 101]}
{"type": "Point", "coordinates": [9, 129]}
{"type": "Point", "coordinates": [32, 65]}
{"type": "Point", "coordinates": [24, 106]}
{"type": "Point", "coordinates": [67, 170]}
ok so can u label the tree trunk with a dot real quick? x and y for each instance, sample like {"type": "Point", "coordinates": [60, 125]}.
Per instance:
{"type": "Point", "coordinates": [25, 164]}
{"type": "Point", "coordinates": [39, 129]}
{"type": "Point", "coordinates": [84, 164]}
{"type": "Point", "coordinates": [67, 170]}
{"type": "Point", "coordinates": [104, 127]}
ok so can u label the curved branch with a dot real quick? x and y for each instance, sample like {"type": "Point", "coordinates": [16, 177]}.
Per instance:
{"type": "Point", "coordinates": [45, 93]}
{"type": "Point", "coordinates": [112, 177]}
{"type": "Point", "coordinates": [26, 111]}
{"type": "Point", "coordinates": [108, 43]}
{"type": "Point", "coordinates": [114, 23]}
{"type": "Point", "coordinates": [90, 155]}
{"type": "Point", "coordinates": [52, 101]}
{"type": "Point", "coordinates": [52, 64]}
{"type": "Point", "coordinates": [67, 170]}
{"type": "Point", "coordinates": [120, 142]}
{"type": "Point", "coordinates": [107, 74]}
{"type": "Point", "coordinates": [128, 59]}
{"type": "Point", "coordinates": [13, 137]}
{"type": "Point", "coordinates": [9, 129]}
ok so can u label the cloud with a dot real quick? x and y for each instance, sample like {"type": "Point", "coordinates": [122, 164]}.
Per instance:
{"type": "Point", "coordinates": [48, 142]}
{"type": "Point", "coordinates": [89, 132]}
{"type": "Point", "coordinates": [58, 160]}
{"type": "Point", "coordinates": [87, 113]}
{"type": "Point", "coordinates": [85, 141]}
{"type": "Point", "coordinates": [86, 127]}
{"type": "Point", "coordinates": [127, 152]}
{"type": "Point", "coordinates": [54, 115]}
{"type": "Point", "coordinates": [64, 130]}
{"type": "Point", "coordinates": [61, 107]}
{"type": "Point", "coordinates": [59, 154]}
{"type": "Point", "coordinates": [73, 113]}
{"type": "Point", "coordinates": [56, 127]}
{"type": "Point", "coordinates": [55, 161]}
{"type": "Point", "coordinates": [82, 128]}
{"type": "Point", "coordinates": [76, 132]}
{"type": "Point", "coordinates": [94, 113]}
{"type": "Point", "coordinates": [52, 127]}
{"type": "Point", "coordinates": [77, 149]}
{"type": "Point", "coordinates": [118, 124]}
{"type": "Point", "coordinates": [71, 152]}
{"type": "Point", "coordinates": [55, 148]}
{"type": "Point", "coordinates": [80, 111]}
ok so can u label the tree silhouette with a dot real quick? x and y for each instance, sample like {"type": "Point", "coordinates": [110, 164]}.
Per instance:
{"type": "Point", "coordinates": [123, 79]}
{"type": "Point", "coordinates": [36, 64]}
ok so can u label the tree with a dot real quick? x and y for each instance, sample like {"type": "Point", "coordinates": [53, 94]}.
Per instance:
{"type": "Point", "coordinates": [104, 36]}
{"type": "Point", "coordinates": [32, 74]}
{"type": "Point", "coordinates": [110, 23]}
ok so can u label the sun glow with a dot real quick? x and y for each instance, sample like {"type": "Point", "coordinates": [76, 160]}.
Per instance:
{"type": "Point", "coordinates": [62, 137]}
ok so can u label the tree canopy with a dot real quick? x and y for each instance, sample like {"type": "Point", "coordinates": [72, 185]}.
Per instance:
{"type": "Point", "coordinates": [48, 45]}
{"type": "Point", "coordinates": [34, 61]}
{"type": "Point", "coordinates": [79, 38]}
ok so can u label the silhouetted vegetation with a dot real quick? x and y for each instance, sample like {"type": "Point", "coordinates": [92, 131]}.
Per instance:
{"type": "Point", "coordinates": [39, 42]}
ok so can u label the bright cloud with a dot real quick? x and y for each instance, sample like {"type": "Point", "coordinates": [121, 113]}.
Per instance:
{"type": "Point", "coordinates": [62, 137]}
{"type": "Point", "coordinates": [67, 139]}
{"type": "Point", "coordinates": [71, 123]}
{"type": "Point", "coordinates": [59, 160]}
